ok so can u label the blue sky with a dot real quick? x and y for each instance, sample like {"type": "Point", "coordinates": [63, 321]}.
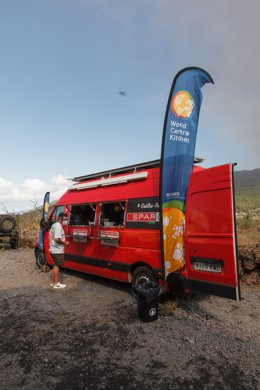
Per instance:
{"type": "Point", "coordinates": [64, 61]}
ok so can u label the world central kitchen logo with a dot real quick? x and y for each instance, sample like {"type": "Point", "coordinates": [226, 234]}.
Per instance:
{"type": "Point", "coordinates": [182, 104]}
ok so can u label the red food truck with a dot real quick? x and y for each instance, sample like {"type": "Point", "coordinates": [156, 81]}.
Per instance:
{"type": "Point", "coordinates": [114, 229]}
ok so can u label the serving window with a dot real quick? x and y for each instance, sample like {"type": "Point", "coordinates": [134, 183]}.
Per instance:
{"type": "Point", "coordinates": [82, 215]}
{"type": "Point", "coordinates": [113, 214]}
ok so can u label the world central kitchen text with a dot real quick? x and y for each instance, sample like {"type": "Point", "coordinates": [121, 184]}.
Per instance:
{"type": "Point", "coordinates": [178, 132]}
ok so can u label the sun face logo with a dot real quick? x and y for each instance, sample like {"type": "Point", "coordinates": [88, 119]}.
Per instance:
{"type": "Point", "coordinates": [182, 104]}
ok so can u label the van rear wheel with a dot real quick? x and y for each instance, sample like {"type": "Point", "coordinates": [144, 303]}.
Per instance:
{"type": "Point", "coordinates": [143, 275]}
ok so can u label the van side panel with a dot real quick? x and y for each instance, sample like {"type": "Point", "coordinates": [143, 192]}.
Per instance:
{"type": "Point", "coordinates": [139, 241]}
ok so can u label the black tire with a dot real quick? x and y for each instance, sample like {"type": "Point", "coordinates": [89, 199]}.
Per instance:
{"type": "Point", "coordinates": [15, 244]}
{"type": "Point", "coordinates": [143, 275]}
{"type": "Point", "coordinates": [7, 223]}
{"type": "Point", "coordinates": [40, 258]}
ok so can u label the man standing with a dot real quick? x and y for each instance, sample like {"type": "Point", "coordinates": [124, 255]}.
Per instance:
{"type": "Point", "coordinates": [57, 244]}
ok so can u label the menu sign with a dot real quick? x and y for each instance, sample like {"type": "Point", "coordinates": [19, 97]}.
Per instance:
{"type": "Point", "coordinates": [109, 237]}
{"type": "Point", "coordinates": [81, 235]}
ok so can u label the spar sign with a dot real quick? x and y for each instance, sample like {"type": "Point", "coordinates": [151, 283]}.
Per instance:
{"type": "Point", "coordinates": [143, 217]}
{"type": "Point", "coordinates": [177, 158]}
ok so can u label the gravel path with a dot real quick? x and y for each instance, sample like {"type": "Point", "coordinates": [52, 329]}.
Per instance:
{"type": "Point", "coordinates": [89, 336]}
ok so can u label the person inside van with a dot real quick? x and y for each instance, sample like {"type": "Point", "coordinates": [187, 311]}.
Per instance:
{"type": "Point", "coordinates": [117, 215]}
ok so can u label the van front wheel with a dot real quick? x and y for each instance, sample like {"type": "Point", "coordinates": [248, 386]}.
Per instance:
{"type": "Point", "coordinates": [143, 275]}
{"type": "Point", "coordinates": [40, 258]}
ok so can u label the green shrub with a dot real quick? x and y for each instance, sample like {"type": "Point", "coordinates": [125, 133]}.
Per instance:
{"type": "Point", "coordinates": [245, 223]}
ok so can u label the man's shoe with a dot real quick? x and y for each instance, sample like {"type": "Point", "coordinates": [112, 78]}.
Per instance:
{"type": "Point", "coordinates": [59, 285]}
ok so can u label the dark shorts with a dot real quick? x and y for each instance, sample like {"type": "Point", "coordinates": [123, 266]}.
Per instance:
{"type": "Point", "coordinates": [58, 258]}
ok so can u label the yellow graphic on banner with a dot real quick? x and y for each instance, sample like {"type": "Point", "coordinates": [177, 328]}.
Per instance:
{"type": "Point", "coordinates": [173, 239]}
{"type": "Point", "coordinates": [46, 207]}
{"type": "Point", "coordinates": [183, 104]}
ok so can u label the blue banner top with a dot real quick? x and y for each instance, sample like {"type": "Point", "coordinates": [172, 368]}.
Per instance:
{"type": "Point", "coordinates": [180, 130]}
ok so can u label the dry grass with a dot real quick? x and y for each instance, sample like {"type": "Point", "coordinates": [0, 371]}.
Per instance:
{"type": "Point", "coordinates": [248, 237]}
{"type": "Point", "coordinates": [29, 226]}
{"type": "Point", "coordinates": [248, 234]}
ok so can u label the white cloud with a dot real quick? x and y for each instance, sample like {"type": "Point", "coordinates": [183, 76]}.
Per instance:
{"type": "Point", "coordinates": [6, 188]}
{"type": "Point", "coordinates": [30, 192]}
{"type": "Point", "coordinates": [59, 185]}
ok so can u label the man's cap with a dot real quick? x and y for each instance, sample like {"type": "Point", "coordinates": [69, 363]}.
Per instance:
{"type": "Point", "coordinates": [62, 215]}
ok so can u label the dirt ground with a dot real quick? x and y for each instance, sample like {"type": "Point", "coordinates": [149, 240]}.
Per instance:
{"type": "Point", "coordinates": [89, 335]}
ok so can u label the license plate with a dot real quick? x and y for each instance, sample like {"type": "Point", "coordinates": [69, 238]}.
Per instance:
{"type": "Point", "coordinates": [207, 267]}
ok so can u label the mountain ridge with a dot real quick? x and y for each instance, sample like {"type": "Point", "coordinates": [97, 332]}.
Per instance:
{"type": "Point", "coordinates": [247, 178]}
{"type": "Point", "coordinates": [247, 189]}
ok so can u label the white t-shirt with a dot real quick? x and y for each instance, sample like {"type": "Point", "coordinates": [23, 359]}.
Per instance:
{"type": "Point", "coordinates": [56, 232]}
